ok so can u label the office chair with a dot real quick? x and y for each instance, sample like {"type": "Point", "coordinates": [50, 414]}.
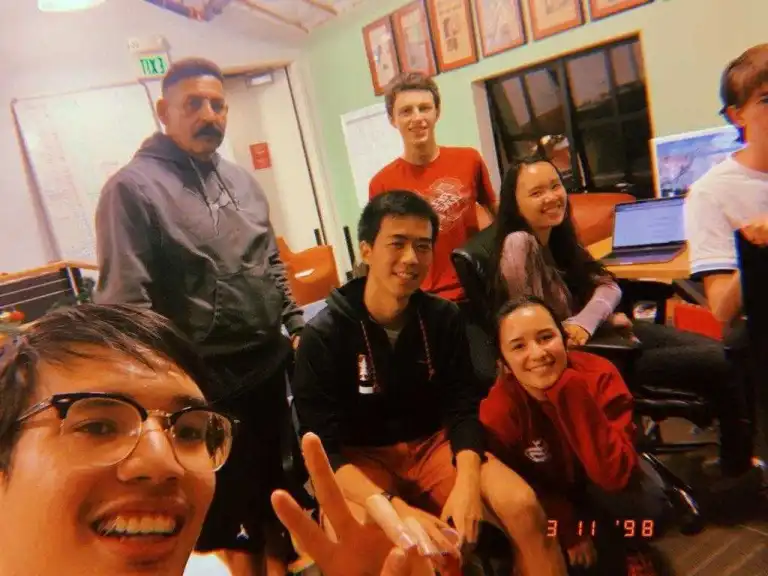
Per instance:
{"type": "Point", "coordinates": [753, 355]}
{"type": "Point", "coordinates": [656, 404]}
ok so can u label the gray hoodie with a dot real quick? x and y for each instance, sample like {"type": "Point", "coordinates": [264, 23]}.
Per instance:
{"type": "Point", "coordinates": [193, 241]}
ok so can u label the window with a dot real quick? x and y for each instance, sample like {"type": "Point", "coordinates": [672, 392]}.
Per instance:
{"type": "Point", "coordinates": [588, 111]}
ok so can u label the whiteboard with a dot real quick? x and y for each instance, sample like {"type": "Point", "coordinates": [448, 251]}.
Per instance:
{"type": "Point", "coordinates": [372, 143]}
{"type": "Point", "coordinates": [155, 88]}
{"type": "Point", "coordinates": [75, 143]}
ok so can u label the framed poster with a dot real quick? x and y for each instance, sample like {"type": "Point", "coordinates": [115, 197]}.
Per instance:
{"type": "Point", "coordinates": [414, 42]}
{"type": "Point", "coordinates": [381, 52]}
{"type": "Point", "coordinates": [453, 33]}
{"type": "Point", "coordinates": [501, 25]}
{"type": "Point", "coordinates": [549, 17]}
{"type": "Point", "coordinates": [681, 159]}
{"type": "Point", "coordinates": [602, 8]}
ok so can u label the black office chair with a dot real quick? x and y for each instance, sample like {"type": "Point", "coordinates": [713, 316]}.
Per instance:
{"type": "Point", "coordinates": [753, 354]}
{"type": "Point", "coordinates": [656, 404]}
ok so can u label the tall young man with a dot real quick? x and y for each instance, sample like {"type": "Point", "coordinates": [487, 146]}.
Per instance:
{"type": "Point", "coordinates": [184, 232]}
{"type": "Point", "coordinates": [383, 376]}
{"type": "Point", "coordinates": [454, 180]}
{"type": "Point", "coordinates": [734, 195]}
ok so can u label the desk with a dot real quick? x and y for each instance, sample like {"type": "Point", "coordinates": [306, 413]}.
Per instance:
{"type": "Point", "coordinates": [677, 269]}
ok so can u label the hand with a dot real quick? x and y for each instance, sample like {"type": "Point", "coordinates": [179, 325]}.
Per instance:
{"type": "Point", "coordinates": [756, 231]}
{"type": "Point", "coordinates": [582, 554]}
{"type": "Point", "coordinates": [357, 551]}
{"type": "Point", "coordinates": [295, 339]}
{"type": "Point", "coordinates": [465, 507]}
{"type": "Point", "coordinates": [577, 336]}
{"type": "Point", "coordinates": [439, 539]}
{"type": "Point", "coordinates": [622, 324]}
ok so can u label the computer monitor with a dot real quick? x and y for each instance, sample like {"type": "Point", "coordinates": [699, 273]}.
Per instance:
{"type": "Point", "coordinates": [649, 223]}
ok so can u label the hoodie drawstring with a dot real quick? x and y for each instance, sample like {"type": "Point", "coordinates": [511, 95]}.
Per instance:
{"type": "Point", "coordinates": [427, 353]}
{"type": "Point", "coordinates": [223, 189]}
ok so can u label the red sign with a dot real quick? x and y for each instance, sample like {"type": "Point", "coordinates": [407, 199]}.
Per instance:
{"type": "Point", "coordinates": [260, 156]}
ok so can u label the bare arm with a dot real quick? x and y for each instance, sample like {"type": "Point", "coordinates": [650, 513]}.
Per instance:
{"type": "Point", "coordinates": [723, 293]}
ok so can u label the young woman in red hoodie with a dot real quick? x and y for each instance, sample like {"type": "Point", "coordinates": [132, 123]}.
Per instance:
{"type": "Point", "coordinates": [563, 420]}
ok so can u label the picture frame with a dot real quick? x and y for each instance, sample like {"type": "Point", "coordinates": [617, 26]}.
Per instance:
{"type": "Point", "coordinates": [599, 9]}
{"type": "Point", "coordinates": [500, 25]}
{"type": "Point", "coordinates": [414, 39]}
{"type": "Point", "coordinates": [453, 33]}
{"type": "Point", "coordinates": [550, 17]}
{"type": "Point", "coordinates": [381, 51]}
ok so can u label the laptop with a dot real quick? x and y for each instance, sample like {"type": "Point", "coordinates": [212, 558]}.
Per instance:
{"type": "Point", "coordinates": [647, 232]}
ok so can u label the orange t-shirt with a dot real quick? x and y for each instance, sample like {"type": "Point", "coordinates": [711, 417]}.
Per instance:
{"type": "Point", "coordinates": [452, 183]}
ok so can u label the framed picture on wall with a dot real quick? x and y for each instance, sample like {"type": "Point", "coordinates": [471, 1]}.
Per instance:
{"type": "Point", "coordinates": [414, 42]}
{"type": "Point", "coordinates": [500, 25]}
{"type": "Point", "coordinates": [381, 52]}
{"type": "Point", "coordinates": [550, 17]}
{"type": "Point", "coordinates": [602, 8]}
{"type": "Point", "coordinates": [453, 33]}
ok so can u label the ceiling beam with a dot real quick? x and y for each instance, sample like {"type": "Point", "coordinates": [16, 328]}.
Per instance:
{"type": "Point", "coordinates": [256, 7]}
{"type": "Point", "coordinates": [322, 6]}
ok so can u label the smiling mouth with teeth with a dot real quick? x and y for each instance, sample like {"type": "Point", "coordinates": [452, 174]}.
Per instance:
{"type": "Point", "coordinates": [136, 526]}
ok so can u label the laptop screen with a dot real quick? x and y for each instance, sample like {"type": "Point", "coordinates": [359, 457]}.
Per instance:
{"type": "Point", "coordinates": [651, 223]}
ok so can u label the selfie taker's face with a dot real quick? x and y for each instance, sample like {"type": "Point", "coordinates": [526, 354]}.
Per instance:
{"type": "Point", "coordinates": [64, 516]}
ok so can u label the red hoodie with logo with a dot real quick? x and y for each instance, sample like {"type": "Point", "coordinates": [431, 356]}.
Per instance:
{"type": "Point", "coordinates": [584, 424]}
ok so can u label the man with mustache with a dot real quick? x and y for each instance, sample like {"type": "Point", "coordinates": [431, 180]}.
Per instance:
{"type": "Point", "coordinates": [186, 233]}
{"type": "Point", "coordinates": [452, 179]}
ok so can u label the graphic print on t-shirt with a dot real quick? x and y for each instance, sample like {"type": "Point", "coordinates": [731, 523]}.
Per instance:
{"type": "Point", "coordinates": [538, 451]}
{"type": "Point", "coordinates": [450, 199]}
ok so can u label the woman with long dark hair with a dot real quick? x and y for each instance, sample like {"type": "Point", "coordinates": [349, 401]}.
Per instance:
{"type": "Point", "coordinates": [538, 253]}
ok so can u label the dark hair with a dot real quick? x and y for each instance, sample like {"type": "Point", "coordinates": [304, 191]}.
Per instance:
{"type": "Point", "coordinates": [65, 333]}
{"type": "Point", "coordinates": [581, 271]}
{"type": "Point", "coordinates": [522, 302]}
{"type": "Point", "coordinates": [742, 77]}
{"type": "Point", "coordinates": [394, 203]}
{"type": "Point", "coordinates": [410, 81]}
{"type": "Point", "coordinates": [190, 68]}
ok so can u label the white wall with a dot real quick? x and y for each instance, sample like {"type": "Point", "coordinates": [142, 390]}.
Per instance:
{"type": "Point", "coordinates": [265, 113]}
{"type": "Point", "coordinates": [53, 53]}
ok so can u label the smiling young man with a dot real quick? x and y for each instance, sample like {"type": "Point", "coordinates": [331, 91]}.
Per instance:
{"type": "Point", "coordinates": [383, 376]}
{"type": "Point", "coordinates": [108, 448]}
{"type": "Point", "coordinates": [186, 233]}
{"type": "Point", "coordinates": [452, 179]}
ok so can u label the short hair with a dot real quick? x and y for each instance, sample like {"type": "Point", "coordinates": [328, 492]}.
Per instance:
{"type": "Point", "coordinates": [408, 82]}
{"type": "Point", "coordinates": [394, 203]}
{"type": "Point", "coordinates": [62, 334]}
{"type": "Point", "coordinates": [190, 68]}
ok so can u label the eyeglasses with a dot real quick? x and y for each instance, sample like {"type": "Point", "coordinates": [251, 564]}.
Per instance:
{"type": "Point", "coordinates": [103, 429]}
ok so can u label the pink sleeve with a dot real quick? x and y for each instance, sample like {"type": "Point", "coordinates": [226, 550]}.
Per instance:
{"type": "Point", "coordinates": [604, 301]}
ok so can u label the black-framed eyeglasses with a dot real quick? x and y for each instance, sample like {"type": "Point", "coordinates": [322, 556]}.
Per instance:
{"type": "Point", "coordinates": [103, 429]}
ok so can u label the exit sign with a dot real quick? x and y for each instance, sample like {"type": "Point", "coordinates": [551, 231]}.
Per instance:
{"type": "Point", "coordinates": [153, 65]}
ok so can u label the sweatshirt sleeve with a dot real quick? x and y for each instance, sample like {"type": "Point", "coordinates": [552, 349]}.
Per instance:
{"type": "Point", "coordinates": [314, 392]}
{"type": "Point", "coordinates": [485, 193]}
{"type": "Point", "coordinates": [461, 400]}
{"type": "Point", "coordinates": [604, 301]}
{"type": "Point", "coordinates": [598, 424]}
{"type": "Point", "coordinates": [125, 242]}
{"type": "Point", "coordinates": [293, 316]}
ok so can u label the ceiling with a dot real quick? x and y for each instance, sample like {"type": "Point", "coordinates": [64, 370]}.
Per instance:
{"type": "Point", "coordinates": [300, 16]}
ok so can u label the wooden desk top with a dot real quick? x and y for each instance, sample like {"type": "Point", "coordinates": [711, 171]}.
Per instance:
{"type": "Point", "coordinates": [677, 269]}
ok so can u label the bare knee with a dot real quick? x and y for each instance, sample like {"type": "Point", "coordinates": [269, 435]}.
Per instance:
{"type": "Point", "coordinates": [521, 513]}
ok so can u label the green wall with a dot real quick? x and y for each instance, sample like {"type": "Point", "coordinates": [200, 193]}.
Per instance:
{"type": "Point", "coordinates": [686, 44]}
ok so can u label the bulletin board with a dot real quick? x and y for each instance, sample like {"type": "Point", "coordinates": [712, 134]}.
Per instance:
{"type": "Point", "coordinates": [73, 144]}
{"type": "Point", "coordinates": [372, 143]}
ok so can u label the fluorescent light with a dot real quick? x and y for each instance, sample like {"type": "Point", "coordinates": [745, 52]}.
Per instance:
{"type": "Point", "coordinates": [67, 5]}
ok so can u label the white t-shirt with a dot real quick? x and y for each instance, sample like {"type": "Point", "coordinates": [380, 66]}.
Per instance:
{"type": "Point", "coordinates": [717, 204]}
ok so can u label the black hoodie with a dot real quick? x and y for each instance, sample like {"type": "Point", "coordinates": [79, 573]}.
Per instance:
{"type": "Point", "coordinates": [193, 241]}
{"type": "Point", "coordinates": [353, 389]}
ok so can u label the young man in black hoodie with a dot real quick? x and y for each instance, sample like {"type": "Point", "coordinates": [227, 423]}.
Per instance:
{"type": "Point", "coordinates": [186, 233]}
{"type": "Point", "coordinates": [383, 376]}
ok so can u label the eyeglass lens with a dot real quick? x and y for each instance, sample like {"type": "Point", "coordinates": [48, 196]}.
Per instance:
{"type": "Point", "coordinates": [105, 431]}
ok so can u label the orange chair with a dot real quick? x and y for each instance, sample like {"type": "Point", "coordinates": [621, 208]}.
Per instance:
{"type": "Point", "coordinates": [695, 318]}
{"type": "Point", "coordinates": [592, 214]}
{"type": "Point", "coordinates": [311, 273]}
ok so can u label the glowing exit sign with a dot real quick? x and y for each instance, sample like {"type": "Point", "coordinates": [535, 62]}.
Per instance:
{"type": "Point", "coordinates": [153, 65]}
